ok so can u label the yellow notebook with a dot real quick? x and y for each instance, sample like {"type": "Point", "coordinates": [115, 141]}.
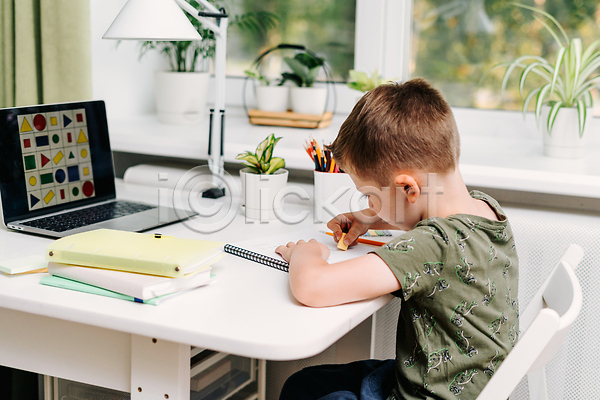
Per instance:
{"type": "Point", "coordinates": [152, 254]}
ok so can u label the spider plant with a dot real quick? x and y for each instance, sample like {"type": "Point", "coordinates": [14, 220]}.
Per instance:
{"type": "Point", "coordinates": [568, 81]}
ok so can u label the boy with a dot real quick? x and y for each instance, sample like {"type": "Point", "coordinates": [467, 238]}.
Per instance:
{"type": "Point", "coordinates": [455, 267]}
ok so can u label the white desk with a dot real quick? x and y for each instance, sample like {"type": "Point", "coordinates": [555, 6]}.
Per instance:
{"type": "Point", "coordinates": [248, 311]}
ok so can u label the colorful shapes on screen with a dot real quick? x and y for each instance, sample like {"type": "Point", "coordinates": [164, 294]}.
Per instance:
{"type": "Point", "coordinates": [60, 175]}
{"type": "Point", "coordinates": [41, 141]}
{"type": "Point", "coordinates": [45, 160]}
{"type": "Point", "coordinates": [33, 200]}
{"type": "Point", "coordinates": [29, 162]}
{"type": "Point", "coordinates": [87, 188]}
{"type": "Point", "coordinates": [56, 155]}
{"type": "Point", "coordinates": [73, 172]}
{"type": "Point", "coordinates": [46, 178]}
{"type": "Point", "coordinates": [39, 122]}
{"type": "Point", "coordinates": [59, 156]}
{"type": "Point", "coordinates": [82, 138]}
{"type": "Point", "coordinates": [25, 127]}
{"type": "Point", "coordinates": [49, 197]}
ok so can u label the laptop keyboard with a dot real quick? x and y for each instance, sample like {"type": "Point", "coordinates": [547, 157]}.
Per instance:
{"type": "Point", "coordinates": [78, 218]}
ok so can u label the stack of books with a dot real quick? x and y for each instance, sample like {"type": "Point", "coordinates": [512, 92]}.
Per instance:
{"type": "Point", "coordinates": [146, 268]}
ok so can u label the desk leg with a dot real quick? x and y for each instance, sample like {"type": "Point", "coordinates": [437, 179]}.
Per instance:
{"type": "Point", "coordinates": [159, 369]}
{"type": "Point", "coordinates": [262, 379]}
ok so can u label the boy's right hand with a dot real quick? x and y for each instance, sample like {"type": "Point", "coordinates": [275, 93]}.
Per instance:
{"type": "Point", "coordinates": [352, 226]}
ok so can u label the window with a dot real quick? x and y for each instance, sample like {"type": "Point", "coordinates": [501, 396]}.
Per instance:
{"type": "Point", "coordinates": [323, 26]}
{"type": "Point", "coordinates": [455, 42]}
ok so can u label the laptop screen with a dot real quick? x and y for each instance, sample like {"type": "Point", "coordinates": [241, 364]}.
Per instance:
{"type": "Point", "coordinates": [54, 157]}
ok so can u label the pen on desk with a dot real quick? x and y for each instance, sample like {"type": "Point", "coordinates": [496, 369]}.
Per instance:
{"type": "Point", "coordinates": [363, 240]}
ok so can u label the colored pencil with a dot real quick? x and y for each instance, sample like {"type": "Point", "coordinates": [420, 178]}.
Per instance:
{"type": "Point", "coordinates": [363, 240]}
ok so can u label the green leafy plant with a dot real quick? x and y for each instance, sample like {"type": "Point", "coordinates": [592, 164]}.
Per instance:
{"type": "Point", "coordinates": [184, 56]}
{"type": "Point", "coordinates": [262, 161]}
{"type": "Point", "coordinates": [305, 69]}
{"type": "Point", "coordinates": [568, 81]}
{"type": "Point", "coordinates": [262, 80]}
{"type": "Point", "coordinates": [363, 82]}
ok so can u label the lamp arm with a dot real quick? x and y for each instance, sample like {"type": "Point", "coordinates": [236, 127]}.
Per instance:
{"type": "Point", "coordinates": [216, 123]}
{"type": "Point", "coordinates": [187, 7]}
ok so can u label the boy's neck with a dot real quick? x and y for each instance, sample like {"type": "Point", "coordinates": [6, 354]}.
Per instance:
{"type": "Point", "coordinates": [453, 199]}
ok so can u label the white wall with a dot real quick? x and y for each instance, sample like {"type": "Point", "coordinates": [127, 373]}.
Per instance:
{"type": "Point", "coordinates": [119, 77]}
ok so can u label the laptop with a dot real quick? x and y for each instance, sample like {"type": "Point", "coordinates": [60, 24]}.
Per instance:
{"type": "Point", "coordinates": [57, 176]}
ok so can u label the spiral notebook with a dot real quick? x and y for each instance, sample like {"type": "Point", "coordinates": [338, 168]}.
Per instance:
{"type": "Point", "coordinates": [262, 250]}
{"type": "Point", "coordinates": [257, 257]}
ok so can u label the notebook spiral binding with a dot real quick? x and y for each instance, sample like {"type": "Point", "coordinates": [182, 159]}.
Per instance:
{"type": "Point", "coordinates": [256, 257]}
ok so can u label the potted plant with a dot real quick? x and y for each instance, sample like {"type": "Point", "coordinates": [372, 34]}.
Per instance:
{"type": "Point", "coordinates": [362, 82]}
{"type": "Point", "coordinates": [269, 97]}
{"type": "Point", "coordinates": [563, 102]}
{"type": "Point", "coordinates": [305, 99]}
{"type": "Point", "coordinates": [263, 177]}
{"type": "Point", "coordinates": [181, 92]}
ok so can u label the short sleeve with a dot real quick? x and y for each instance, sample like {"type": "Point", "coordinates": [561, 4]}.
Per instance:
{"type": "Point", "coordinates": [417, 260]}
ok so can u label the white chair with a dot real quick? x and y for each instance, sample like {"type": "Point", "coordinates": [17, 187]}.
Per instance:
{"type": "Point", "coordinates": [545, 324]}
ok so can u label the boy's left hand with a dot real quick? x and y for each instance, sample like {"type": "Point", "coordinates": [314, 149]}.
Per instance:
{"type": "Point", "coordinates": [311, 247]}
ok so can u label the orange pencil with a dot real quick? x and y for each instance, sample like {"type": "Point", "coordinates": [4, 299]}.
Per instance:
{"type": "Point", "coordinates": [363, 240]}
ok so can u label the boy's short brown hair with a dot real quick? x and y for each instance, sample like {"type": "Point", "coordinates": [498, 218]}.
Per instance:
{"type": "Point", "coordinates": [398, 127]}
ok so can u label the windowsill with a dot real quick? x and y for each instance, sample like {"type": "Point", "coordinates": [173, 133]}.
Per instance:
{"type": "Point", "coordinates": [499, 158]}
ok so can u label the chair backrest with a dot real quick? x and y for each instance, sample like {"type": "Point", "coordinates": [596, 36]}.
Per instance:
{"type": "Point", "coordinates": [545, 324]}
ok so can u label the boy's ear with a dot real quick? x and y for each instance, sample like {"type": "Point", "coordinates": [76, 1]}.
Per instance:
{"type": "Point", "coordinates": [409, 185]}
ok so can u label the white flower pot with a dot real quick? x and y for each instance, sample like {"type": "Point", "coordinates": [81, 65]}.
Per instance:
{"type": "Point", "coordinates": [308, 100]}
{"type": "Point", "coordinates": [181, 96]}
{"type": "Point", "coordinates": [259, 191]}
{"type": "Point", "coordinates": [272, 98]}
{"type": "Point", "coordinates": [564, 140]}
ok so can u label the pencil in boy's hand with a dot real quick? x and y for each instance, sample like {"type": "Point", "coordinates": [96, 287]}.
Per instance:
{"type": "Point", "coordinates": [359, 240]}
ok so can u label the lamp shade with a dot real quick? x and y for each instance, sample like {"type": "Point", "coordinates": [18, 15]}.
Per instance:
{"type": "Point", "coordinates": [151, 20]}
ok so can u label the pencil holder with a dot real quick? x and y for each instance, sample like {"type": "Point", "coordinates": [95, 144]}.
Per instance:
{"type": "Point", "coordinates": [335, 194]}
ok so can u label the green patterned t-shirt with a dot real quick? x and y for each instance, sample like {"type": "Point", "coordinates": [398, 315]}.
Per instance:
{"type": "Point", "coordinates": [459, 317]}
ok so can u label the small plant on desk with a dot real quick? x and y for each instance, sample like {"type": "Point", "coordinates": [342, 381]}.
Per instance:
{"type": "Point", "coordinates": [262, 179]}
{"type": "Point", "coordinates": [262, 161]}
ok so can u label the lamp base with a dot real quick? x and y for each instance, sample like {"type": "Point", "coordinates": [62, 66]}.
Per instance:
{"type": "Point", "coordinates": [213, 193]}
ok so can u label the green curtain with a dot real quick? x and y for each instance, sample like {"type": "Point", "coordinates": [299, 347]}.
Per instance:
{"type": "Point", "coordinates": [44, 51]}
